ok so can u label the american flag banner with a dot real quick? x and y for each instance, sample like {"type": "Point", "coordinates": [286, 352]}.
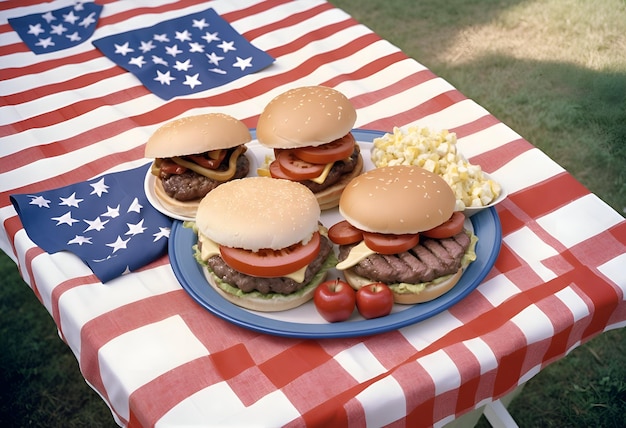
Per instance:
{"type": "Point", "coordinates": [58, 29]}
{"type": "Point", "coordinates": [185, 55]}
{"type": "Point", "coordinates": [107, 222]}
{"type": "Point", "coordinates": [155, 355]}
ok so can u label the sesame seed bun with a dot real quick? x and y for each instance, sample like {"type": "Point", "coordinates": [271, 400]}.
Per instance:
{"type": "Point", "coordinates": [400, 199]}
{"type": "Point", "coordinates": [258, 212]}
{"type": "Point", "coordinates": [305, 116]}
{"type": "Point", "coordinates": [310, 116]}
{"type": "Point", "coordinates": [189, 136]}
{"type": "Point", "coordinates": [197, 134]}
{"type": "Point", "coordinates": [431, 292]}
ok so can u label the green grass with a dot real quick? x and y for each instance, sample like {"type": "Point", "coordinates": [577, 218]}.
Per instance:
{"type": "Point", "coordinates": [553, 70]}
{"type": "Point", "coordinates": [586, 389]}
{"type": "Point", "coordinates": [41, 383]}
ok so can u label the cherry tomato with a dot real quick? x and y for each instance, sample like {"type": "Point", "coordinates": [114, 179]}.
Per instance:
{"type": "Point", "coordinates": [343, 233]}
{"type": "Point", "coordinates": [334, 300]}
{"type": "Point", "coordinates": [268, 263]}
{"type": "Point", "coordinates": [296, 168]}
{"type": "Point", "coordinates": [386, 243]}
{"type": "Point", "coordinates": [374, 300]}
{"type": "Point", "coordinates": [450, 228]}
{"type": "Point", "coordinates": [209, 160]}
{"type": "Point", "coordinates": [336, 150]}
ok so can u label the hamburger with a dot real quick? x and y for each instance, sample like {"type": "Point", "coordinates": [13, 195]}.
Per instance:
{"type": "Point", "coordinates": [261, 244]}
{"type": "Point", "coordinates": [193, 155]}
{"type": "Point", "coordinates": [401, 229]}
{"type": "Point", "coordinates": [309, 129]}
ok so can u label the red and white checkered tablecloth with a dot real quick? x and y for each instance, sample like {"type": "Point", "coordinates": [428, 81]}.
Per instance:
{"type": "Point", "coordinates": [159, 359]}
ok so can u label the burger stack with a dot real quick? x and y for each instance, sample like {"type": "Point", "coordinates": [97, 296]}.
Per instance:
{"type": "Point", "coordinates": [401, 230]}
{"type": "Point", "coordinates": [261, 243]}
{"type": "Point", "coordinates": [193, 155]}
{"type": "Point", "coordinates": [260, 240]}
{"type": "Point", "coordinates": [309, 130]}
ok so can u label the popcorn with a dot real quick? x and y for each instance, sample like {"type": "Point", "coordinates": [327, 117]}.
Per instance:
{"type": "Point", "coordinates": [437, 152]}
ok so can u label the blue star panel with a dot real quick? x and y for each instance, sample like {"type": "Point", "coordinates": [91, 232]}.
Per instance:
{"type": "Point", "coordinates": [107, 222]}
{"type": "Point", "coordinates": [57, 29]}
{"type": "Point", "coordinates": [185, 55]}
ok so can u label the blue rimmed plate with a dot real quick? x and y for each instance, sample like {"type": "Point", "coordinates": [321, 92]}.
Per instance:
{"type": "Point", "coordinates": [304, 321]}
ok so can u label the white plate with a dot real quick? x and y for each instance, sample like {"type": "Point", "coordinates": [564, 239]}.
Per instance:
{"type": "Point", "coordinates": [150, 179]}
{"type": "Point", "coordinates": [148, 186]}
{"type": "Point", "coordinates": [470, 211]}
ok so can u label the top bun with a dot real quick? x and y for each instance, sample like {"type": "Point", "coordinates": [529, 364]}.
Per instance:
{"type": "Point", "coordinates": [305, 116]}
{"type": "Point", "coordinates": [397, 199]}
{"type": "Point", "coordinates": [197, 134]}
{"type": "Point", "coordinates": [258, 212]}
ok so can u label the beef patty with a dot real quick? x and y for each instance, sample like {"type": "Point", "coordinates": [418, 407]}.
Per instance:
{"type": "Point", "coordinates": [338, 170]}
{"type": "Point", "coordinates": [281, 285]}
{"type": "Point", "coordinates": [430, 259]}
{"type": "Point", "coordinates": [190, 185]}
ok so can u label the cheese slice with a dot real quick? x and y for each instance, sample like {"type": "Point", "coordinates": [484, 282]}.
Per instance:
{"type": "Point", "coordinates": [357, 253]}
{"type": "Point", "coordinates": [298, 275]}
{"type": "Point", "coordinates": [210, 248]}
{"type": "Point", "coordinates": [322, 177]}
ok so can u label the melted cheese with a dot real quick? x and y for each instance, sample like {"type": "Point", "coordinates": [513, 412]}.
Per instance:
{"type": "Point", "coordinates": [214, 173]}
{"type": "Point", "coordinates": [322, 177]}
{"type": "Point", "coordinates": [298, 275]}
{"type": "Point", "coordinates": [210, 248]}
{"type": "Point", "coordinates": [357, 253]}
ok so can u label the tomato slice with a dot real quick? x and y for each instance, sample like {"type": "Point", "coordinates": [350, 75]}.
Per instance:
{"type": "Point", "coordinates": [209, 161]}
{"type": "Point", "coordinates": [296, 168]}
{"type": "Point", "coordinates": [386, 243]}
{"type": "Point", "coordinates": [169, 167]}
{"type": "Point", "coordinates": [268, 263]}
{"type": "Point", "coordinates": [334, 151]}
{"type": "Point", "coordinates": [450, 228]}
{"type": "Point", "coordinates": [277, 172]}
{"type": "Point", "coordinates": [343, 233]}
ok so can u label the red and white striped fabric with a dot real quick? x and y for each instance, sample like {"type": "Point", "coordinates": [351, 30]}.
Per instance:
{"type": "Point", "coordinates": [159, 359]}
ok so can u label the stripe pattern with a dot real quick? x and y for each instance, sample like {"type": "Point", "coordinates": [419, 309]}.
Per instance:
{"type": "Point", "coordinates": [158, 359]}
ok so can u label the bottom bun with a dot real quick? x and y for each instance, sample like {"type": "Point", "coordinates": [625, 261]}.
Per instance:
{"type": "Point", "coordinates": [431, 292]}
{"type": "Point", "coordinates": [253, 301]}
{"type": "Point", "coordinates": [329, 197]}
{"type": "Point", "coordinates": [180, 208]}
